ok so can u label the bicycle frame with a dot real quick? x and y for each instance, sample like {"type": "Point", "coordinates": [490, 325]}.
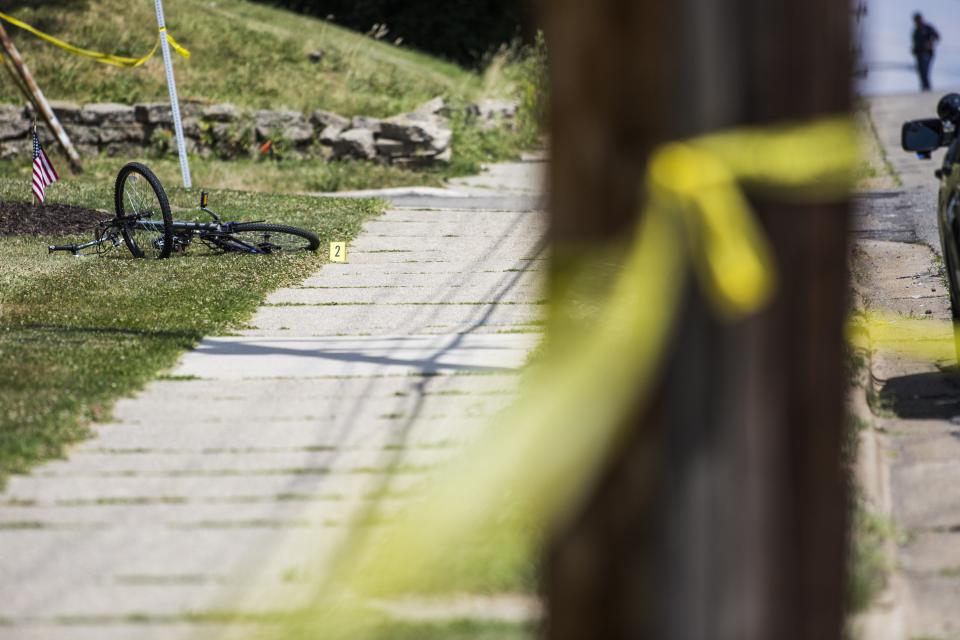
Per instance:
{"type": "Point", "coordinates": [145, 225]}
{"type": "Point", "coordinates": [217, 233]}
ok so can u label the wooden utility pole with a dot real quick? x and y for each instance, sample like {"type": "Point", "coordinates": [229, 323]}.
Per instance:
{"type": "Point", "coordinates": [723, 514]}
{"type": "Point", "coordinates": [24, 80]}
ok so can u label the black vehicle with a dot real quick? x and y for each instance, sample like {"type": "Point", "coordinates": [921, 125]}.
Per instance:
{"type": "Point", "coordinates": [143, 222]}
{"type": "Point", "coordinates": [923, 137]}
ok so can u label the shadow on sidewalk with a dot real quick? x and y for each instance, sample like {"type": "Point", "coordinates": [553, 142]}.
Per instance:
{"type": "Point", "coordinates": [923, 396]}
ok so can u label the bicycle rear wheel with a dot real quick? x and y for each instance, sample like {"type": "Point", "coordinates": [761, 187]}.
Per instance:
{"type": "Point", "coordinates": [139, 194]}
{"type": "Point", "coordinates": [261, 237]}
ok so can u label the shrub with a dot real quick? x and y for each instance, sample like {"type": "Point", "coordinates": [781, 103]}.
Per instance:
{"type": "Point", "coordinates": [528, 73]}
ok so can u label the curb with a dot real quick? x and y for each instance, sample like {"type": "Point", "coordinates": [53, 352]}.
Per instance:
{"type": "Point", "coordinates": [886, 619]}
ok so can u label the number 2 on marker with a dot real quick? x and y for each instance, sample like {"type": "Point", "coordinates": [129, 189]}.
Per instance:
{"type": "Point", "coordinates": [338, 252]}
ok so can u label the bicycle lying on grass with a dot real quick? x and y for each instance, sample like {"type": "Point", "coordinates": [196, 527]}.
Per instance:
{"type": "Point", "coordinates": [143, 222]}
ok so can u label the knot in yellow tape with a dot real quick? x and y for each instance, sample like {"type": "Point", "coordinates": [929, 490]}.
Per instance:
{"type": "Point", "coordinates": [703, 181]}
{"type": "Point", "coordinates": [173, 43]}
{"type": "Point", "coordinates": [732, 258]}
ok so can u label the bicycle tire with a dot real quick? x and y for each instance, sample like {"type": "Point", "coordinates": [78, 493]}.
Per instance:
{"type": "Point", "coordinates": [275, 238]}
{"type": "Point", "coordinates": [130, 199]}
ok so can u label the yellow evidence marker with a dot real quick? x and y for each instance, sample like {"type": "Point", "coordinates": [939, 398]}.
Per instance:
{"type": "Point", "coordinates": [338, 252]}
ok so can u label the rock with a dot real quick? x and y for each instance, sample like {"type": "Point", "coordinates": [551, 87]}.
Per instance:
{"type": "Point", "coordinates": [12, 149]}
{"type": "Point", "coordinates": [366, 122]}
{"type": "Point", "coordinates": [47, 139]}
{"type": "Point", "coordinates": [231, 140]}
{"type": "Point", "coordinates": [325, 153]}
{"type": "Point", "coordinates": [87, 150]}
{"type": "Point", "coordinates": [107, 113]}
{"type": "Point", "coordinates": [330, 134]}
{"type": "Point", "coordinates": [134, 132]}
{"type": "Point", "coordinates": [122, 149]}
{"type": "Point", "coordinates": [221, 131]}
{"type": "Point", "coordinates": [431, 132]}
{"type": "Point", "coordinates": [13, 122]}
{"type": "Point", "coordinates": [287, 125]}
{"type": "Point", "coordinates": [316, 56]}
{"type": "Point", "coordinates": [191, 127]}
{"type": "Point", "coordinates": [66, 111]}
{"type": "Point", "coordinates": [322, 119]}
{"type": "Point", "coordinates": [355, 143]}
{"type": "Point", "coordinates": [390, 149]}
{"type": "Point", "coordinates": [433, 107]}
{"type": "Point", "coordinates": [220, 113]}
{"type": "Point", "coordinates": [153, 113]}
{"type": "Point", "coordinates": [419, 138]}
{"type": "Point", "coordinates": [491, 109]}
{"type": "Point", "coordinates": [535, 156]}
{"type": "Point", "coordinates": [423, 158]}
{"type": "Point", "coordinates": [82, 134]}
{"type": "Point", "coordinates": [161, 113]}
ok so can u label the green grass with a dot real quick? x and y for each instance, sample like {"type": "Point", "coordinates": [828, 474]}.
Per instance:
{"type": "Point", "coordinates": [76, 334]}
{"type": "Point", "coordinates": [455, 630]}
{"type": "Point", "coordinates": [285, 176]}
{"type": "Point", "coordinates": [874, 169]}
{"type": "Point", "coordinates": [346, 619]}
{"type": "Point", "coordinates": [253, 55]}
{"type": "Point", "coordinates": [366, 625]}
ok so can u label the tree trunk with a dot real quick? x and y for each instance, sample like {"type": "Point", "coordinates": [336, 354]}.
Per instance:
{"type": "Point", "coordinates": [723, 516]}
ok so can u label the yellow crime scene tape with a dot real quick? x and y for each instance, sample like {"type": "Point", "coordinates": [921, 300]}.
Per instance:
{"type": "Point", "coordinates": [105, 58]}
{"type": "Point", "coordinates": [541, 458]}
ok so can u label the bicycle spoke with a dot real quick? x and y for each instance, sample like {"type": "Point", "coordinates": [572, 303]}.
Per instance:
{"type": "Point", "coordinates": [140, 200]}
{"type": "Point", "coordinates": [269, 241]}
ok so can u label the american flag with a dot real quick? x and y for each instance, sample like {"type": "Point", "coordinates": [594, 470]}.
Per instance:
{"type": "Point", "coordinates": [43, 172]}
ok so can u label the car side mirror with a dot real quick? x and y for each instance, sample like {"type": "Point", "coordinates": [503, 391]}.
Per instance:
{"type": "Point", "coordinates": [922, 136]}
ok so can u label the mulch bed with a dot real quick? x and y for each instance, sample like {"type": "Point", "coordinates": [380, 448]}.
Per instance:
{"type": "Point", "coordinates": [23, 219]}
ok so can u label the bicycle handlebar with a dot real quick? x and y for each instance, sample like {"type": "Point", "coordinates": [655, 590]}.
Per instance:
{"type": "Point", "coordinates": [72, 248]}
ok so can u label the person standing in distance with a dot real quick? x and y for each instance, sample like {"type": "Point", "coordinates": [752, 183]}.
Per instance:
{"type": "Point", "coordinates": [925, 38]}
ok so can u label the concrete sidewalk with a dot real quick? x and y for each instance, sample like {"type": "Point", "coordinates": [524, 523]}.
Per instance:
{"type": "Point", "coordinates": [910, 457]}
{"type": "Point", "coordinates": [203, 493]}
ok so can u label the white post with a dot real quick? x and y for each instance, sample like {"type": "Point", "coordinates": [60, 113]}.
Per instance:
{"type": "Point", "coordinates": [174, 100]}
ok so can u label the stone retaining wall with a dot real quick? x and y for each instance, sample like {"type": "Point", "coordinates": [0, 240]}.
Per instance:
{"type": "Point", "coordinates": [421, 137]}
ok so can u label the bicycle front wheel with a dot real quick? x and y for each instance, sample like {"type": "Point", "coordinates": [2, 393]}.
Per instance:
{"type": "Point", "coordinates": [140, 196]}
{"type": "Point", "coordinates": [260, 237]}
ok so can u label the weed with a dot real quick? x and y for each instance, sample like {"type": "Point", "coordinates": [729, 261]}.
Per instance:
{"type": "Point", "coordinates": [868, 564]}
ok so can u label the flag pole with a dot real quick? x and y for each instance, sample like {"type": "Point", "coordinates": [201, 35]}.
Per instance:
{"type": "Point", "coordinates": [33, 130]}
{"type": "Point", "coordinates": [174, 100]}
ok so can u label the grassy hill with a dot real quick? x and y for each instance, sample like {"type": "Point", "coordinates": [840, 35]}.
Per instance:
{"type": "Point", "coordinates": [249, 54]}
{"type": "Point", "coordinates": [257, 56]}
